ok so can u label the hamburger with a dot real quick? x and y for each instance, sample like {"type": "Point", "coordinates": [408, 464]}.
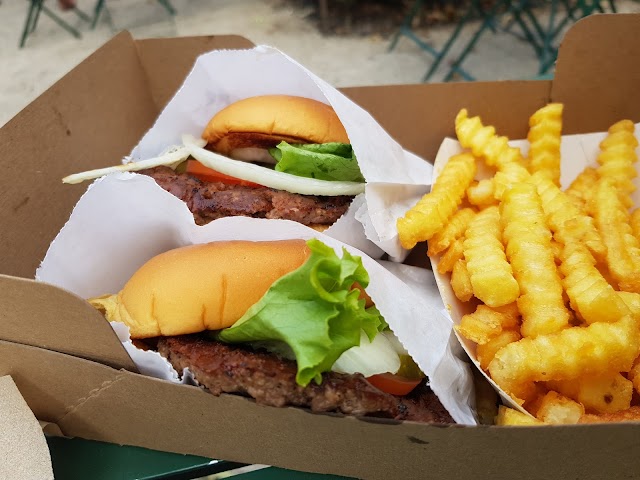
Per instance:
{"type": "Point", "coordinates": [287, 323]}
{"type": "Point", "coordinates": [271, 156]}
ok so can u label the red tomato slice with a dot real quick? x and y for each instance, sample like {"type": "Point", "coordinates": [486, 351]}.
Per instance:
{"type": "Point", "coordinates": [206, 174]}
{"type": "Point", "coordinates": [393, 384]}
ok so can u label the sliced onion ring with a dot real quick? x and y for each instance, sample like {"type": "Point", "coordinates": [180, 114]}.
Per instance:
{"type": "Point", "coordinates": [267, 177]}
{"type": "Point", "coordinates": [169, 159]}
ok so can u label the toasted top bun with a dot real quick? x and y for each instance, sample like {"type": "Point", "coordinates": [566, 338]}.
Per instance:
{"type": "Point", "coordinates": [264, 121]}
{"type": "Point", "coordinates": [200, 287]}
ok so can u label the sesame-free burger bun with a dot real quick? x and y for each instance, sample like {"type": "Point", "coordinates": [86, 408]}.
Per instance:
{"type": "Point", "coordinates": [264, 121]}
{"type": "Point", "coordinates": [200, 287]}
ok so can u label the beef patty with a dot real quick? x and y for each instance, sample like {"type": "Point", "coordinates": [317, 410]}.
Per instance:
{"type": "Point", "coordinates": [212, 200]}
{"type": "Point", "coordinates": [271, 380]}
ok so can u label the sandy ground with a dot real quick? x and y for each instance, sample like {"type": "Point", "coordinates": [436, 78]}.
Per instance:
{"type": "Point", "coordinates": [341, 60]}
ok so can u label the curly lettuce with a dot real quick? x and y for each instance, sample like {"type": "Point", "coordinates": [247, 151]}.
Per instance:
{"type": "Point", "coordinates": [314, 310]}
{"type": "Point", "coordinates": [323, 161]}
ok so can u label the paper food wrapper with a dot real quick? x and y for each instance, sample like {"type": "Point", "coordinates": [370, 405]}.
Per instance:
{"type": "Point", "coordinates": [25, 454]}
{"type": "Point", "coordinates": [124, 219]}
{"type": "Point", "coordinates": [396, 179]}
{"type": "Point", "coordinates": [577, 152]}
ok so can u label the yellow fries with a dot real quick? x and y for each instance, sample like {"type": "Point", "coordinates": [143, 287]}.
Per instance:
{"type": "Point", "coordinates": [580, 189]}
{"type": "Point", "coordinates": [482, 193]}
{"type": "Point", "coordinates": [490, 273]}
{"type": "Point", "coordinates": [431, 213]}
{"type": "Point", "coordinates": [484, 142]}
{"type": "Point", "coordinates": [451, 232]}
{"type": "Point", "coordinates": [509, 416]}
{"type": "Point", "coordinates": [460, 281]}
{"type": "Point", "coordinates": [603, 394]}
{"type": "Point", "coordinates": [623, 248]}
{"type": "Point", "coordinates": [557, 409]}
{"type": "Point", "coordinates": [552, 275]}
{"type": "Point", "coordinates": [571, 353]}
{"type": "Point", "coordinates": [531, 256]}
{"type": "Point", "coordinates": [545, 129]}
{"type": "Point", "coordinates": [488, 350]}
{"type": "Point", "coordinates": [617, 156]}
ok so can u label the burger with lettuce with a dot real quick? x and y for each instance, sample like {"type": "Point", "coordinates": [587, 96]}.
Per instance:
{"type": "Point", "coordinates": [287, 323]}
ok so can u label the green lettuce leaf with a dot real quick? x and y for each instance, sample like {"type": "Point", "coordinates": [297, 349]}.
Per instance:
{"type": "Point", "coordinates": [314, 311]}
{"type": "Point", "coordinates": [324, 161]}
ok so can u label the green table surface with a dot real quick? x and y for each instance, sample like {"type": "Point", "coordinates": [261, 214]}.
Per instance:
{"type": "Point", "coordinates": [80, 459]}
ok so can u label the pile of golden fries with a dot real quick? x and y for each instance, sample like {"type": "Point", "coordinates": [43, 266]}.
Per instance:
{"type": "Point", "coordinates": [552, 276]}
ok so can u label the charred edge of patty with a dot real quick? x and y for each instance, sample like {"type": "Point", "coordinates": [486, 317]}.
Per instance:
{"type": "Point", "coordinates": [270, 380]}
{"type": "Point", "coordinates": [209, 201]}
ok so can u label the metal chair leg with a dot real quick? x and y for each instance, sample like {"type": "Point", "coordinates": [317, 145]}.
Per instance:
{"type": "Point", "coordinates": [405, 28]}
{"type": "Point", "coordinates": [33, 7]}
{"type": "Point", "coordinates": [96, 13]}
{"type": "Point", "coordinates": [168, 7]}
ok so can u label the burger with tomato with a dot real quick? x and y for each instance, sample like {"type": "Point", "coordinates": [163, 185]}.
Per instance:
{"type": "Point", "coordinates": [271, 156]}
{"type": "Point", "coordinates": [287, 323]}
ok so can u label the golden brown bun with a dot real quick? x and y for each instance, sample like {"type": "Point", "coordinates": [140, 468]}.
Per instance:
{"type": "Point", "coordinates": [202, 287]}
{"type": "Point", "coordinates": [266, 120]}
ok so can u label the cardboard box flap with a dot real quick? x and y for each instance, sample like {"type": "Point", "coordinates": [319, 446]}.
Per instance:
{"type": "Point", "coordinates": [96, 402]}
{"type": "Point", "coordinates": [48, 317]}
{"type": "Point", "coordinates": [598, 52]}
{"type": "Point", "coordinates": [399, 108]}
{"type": "Point", "coordinates": [91, 118]}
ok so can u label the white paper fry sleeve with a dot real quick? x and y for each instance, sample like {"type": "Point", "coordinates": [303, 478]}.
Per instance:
{"type": "Point", "coordinates": [577, 152]}
{"type": "Point", "coordinates": [124, 220]}
{"type": "Point", "coordinates": [394, 176]}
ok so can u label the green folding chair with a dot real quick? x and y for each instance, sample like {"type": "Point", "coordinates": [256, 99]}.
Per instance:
{"type": "Point", "coordinates": [100, 7]}
{"type": "Point", "coordinates": [33, 15]}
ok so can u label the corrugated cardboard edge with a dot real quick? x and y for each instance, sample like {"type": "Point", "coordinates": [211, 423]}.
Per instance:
{"type": "Point", "coordinates": [270, 435]}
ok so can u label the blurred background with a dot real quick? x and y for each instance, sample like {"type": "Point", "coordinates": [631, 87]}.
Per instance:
{"type": "Point", "coordinates": [346, 42]}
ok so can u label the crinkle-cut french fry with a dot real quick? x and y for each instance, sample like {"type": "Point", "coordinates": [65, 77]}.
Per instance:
{"type": "Point", "coordinates": [481, 325]}
{"type": "Point", "coordinates": [433, 211]}
{"type": "Point", "coordinates": [630, 415]}
{"type": "Point", "coordinates": [545, 130]}
{"type": "Point", "coordinates": [602, 394]}
{"type": "Point", "coordinates": [632, 301]}
{"type": "Point", "coordinates": [509, 416]}
{"type": "Point", "coordinates": [634, 221]}
{"type": "Point", "coordinates": [558, 409]}
{"type": "Point", "coordinates": [528, 241]}
{"type": "Point", "coordinates": [482, 193]}
{"type": "Point", "coordinates": [623, 248]}
{"type": "Point", "coordinates": [453, 230]}
{"type": "Point", "coordinates": [567, 222]}
{"type": "Point", "coordinates": [450, 257]}
{"type": "Point", "coordinates": [487, 351]}
{"type": "Point", "coordinates": [580, 189]}
{"type": "Point", "coordinates": [557, 251]}
{"type": "Point", "coordinates": [588, 291]}
{"type": "Point", "coordinates": [617, 156]}
{"type": "Point", "coordinates": [484, 142]}
{"type": "Point", "coordinates": [510, 174]}
{"type": "Point", "coordinates": [460, 281]}
{"type": "Point", "coordinates": [634, 375]}
{"type": "Point", "coordinates": [490, 273]}
{"type": "Point", "coordinates": [573, 352]}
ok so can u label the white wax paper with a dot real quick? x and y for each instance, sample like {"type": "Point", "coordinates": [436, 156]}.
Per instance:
{"type": "Point", "coordinates": [577, 152]}
{"type": "Point", "coordinates": [395, 178]}
{"type": "Point", "coordinates": [124, 219]}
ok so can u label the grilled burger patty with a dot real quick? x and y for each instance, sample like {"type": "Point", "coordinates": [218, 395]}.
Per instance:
{"type": "Point", "coordinates": [271, 380]}
{"type": "Point", "coordinates": [209, 201]}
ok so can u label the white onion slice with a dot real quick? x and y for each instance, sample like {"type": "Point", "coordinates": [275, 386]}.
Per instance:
{"type": "Point", "coordinates": [169, 159]}
{"type": "Point", "coordinates": [369, 358]}
{"type": "Point", "coordinates": [267, 177]}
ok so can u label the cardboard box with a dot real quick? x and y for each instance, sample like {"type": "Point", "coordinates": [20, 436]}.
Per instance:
{"type": "Point", "coordinates": [71, 369]}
